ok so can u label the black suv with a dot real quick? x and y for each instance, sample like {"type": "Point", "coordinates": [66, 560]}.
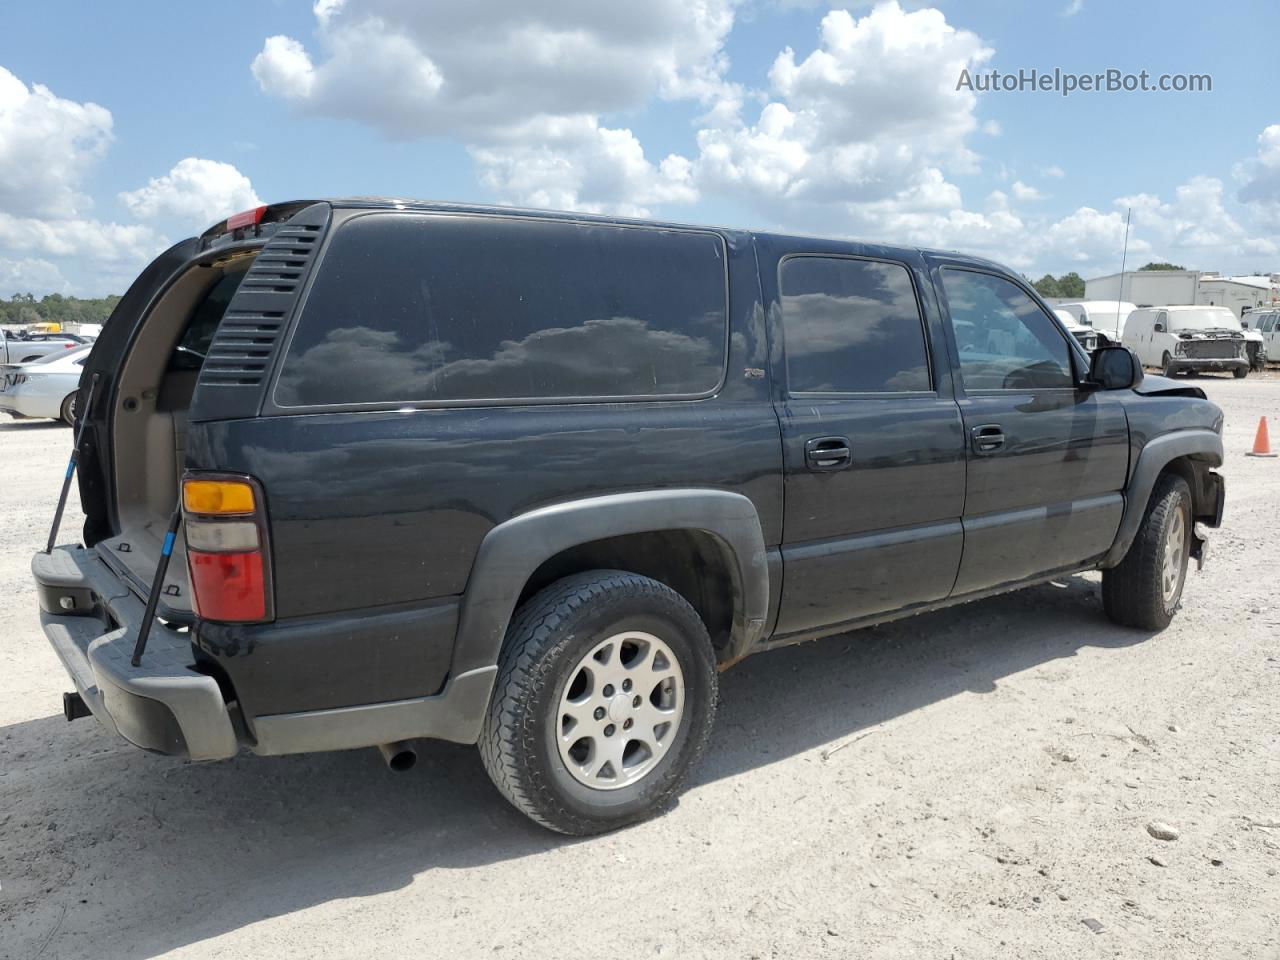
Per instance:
{"type": "Point", "coordinates": [530, 480]}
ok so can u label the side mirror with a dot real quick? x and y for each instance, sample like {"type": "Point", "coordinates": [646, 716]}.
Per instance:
{"type": "Point", "coordinates": [1159, 328]}
{"type": "Point", "coordinates": [1115, 368]}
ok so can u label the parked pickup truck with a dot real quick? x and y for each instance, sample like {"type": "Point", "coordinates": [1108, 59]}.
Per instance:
{"type": "Point", "coordinates": [531, 480]}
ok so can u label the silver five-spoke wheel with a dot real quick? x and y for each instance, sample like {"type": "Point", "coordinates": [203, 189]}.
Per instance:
{"type": "Point", "coordinates": [620, 710]}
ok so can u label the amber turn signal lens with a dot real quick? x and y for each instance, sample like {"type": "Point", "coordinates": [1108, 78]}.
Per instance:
{"type": "Point", "coordinates": [217, 497]}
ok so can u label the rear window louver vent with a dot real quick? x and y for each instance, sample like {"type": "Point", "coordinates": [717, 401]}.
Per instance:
{"type": "Point", "coordinates": [248, 338]}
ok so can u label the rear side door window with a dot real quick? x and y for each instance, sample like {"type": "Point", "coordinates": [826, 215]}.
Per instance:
{"type": "Point", "coordinates": [415, 308]}
{"type": "Point", "coordinates": [1005, 341]}
{"type": "Point", "coordinates": [852, 327]}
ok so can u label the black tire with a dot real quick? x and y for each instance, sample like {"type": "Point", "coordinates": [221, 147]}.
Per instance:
{"type": "Point", "coordinates": [1166, 365]}
{"type": "Point", "coordinates": [548, 638]}
{"type": "Point", "coordinates": [1240, 372]}
{"type": "Point", "coordinates": [68, 412]}
{"type": "Point", "coordinates": [1132, 592]}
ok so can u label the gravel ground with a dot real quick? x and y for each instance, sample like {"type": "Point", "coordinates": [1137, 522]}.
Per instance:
{"type": "Point", "coordinates": [970, 783]}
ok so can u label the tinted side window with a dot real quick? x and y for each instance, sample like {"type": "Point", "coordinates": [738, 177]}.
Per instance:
{"type": "Point", "coordinates": [413, 308]}
{"type": "Point", "coordinates": [1006, 342]}
{"type": "Point", "coordinates": [851, 326]}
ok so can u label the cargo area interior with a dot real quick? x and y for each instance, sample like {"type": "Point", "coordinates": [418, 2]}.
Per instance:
{"type": "Point", "coordinates": [149, 424]}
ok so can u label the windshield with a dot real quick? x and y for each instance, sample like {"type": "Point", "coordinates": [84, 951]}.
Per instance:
{"type": "Point", "coordinates": [1207, 319]}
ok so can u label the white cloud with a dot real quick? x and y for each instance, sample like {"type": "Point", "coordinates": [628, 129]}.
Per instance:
{"type": "Point", "coordinates": [1025, 192]}
{"type": "Point", "coordinates": [1054, 172]}
{"type": "Point", "coordinates": [283, 68]}
{"type": "Point", "coordinates": [866, 122]}
{"type": "Point", "coordinates": [107, 244]}
{"type": "Point", "coordinates": [1086, 240]}
{"type": "Point", "coordinates": [523, 86]}
{"type": "Point", "coordinates": [473, 70]}
{"type": "Point", "coordinates": [30, 275]}
{"type": "Point", "coordinates": [1259, 176]}
{"type": "Point", "coordinates": [46, 145]}
{"type": "Point", "coordinates": [197, 192]}
{"type": "Point", "coordinates": [574, 163]}
{"type": "Point", "coordinates": [1072, 8]}
{"type": "Point", "coordinates": [1194, 221]}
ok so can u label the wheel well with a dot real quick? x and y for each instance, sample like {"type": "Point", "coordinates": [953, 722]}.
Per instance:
{"type": "Point", "coordinates": [1193, 472]}
{"type": "Point", "coordinates": [693, 563]}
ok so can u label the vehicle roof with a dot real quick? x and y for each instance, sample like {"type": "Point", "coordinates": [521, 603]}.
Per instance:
{"type": "Point", "coordinates": [442, 206]}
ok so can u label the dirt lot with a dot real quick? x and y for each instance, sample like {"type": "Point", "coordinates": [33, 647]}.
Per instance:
{"type": "Point", "coordinates": [971, 783]}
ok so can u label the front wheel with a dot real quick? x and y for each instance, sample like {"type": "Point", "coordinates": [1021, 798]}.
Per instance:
{"type": "Point", "coordinates": [604, 701]}
{"type": "Point", "coordinates": [1166, 364]}
{"type": "Point", "coordinates": [1144, 589]}
{"type": "Point", "coordinates": [1240, 372]}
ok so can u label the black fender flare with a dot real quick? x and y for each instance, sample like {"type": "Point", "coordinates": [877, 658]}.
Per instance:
{"type": "Point", "coordinates": [513, 550]}
{"type": "Point", "coordinates": [1158, 452]}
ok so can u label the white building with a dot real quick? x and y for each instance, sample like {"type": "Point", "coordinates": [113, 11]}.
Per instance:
{"type": "Point", "coordinates": [1160, 288]}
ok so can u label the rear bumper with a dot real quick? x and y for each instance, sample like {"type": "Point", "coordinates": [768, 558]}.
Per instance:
{"type": "Point", "coordinates": [164, 705]}
{"type": "Point", "coordinates": [168, 706]}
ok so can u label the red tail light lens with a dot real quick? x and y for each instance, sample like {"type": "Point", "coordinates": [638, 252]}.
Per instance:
{"type": "Point", "coordinates": [248, 218]}
{"type": "Point", "coordinates": [227, 548]}
{"type": "Point", "coordinates": [228, 586]}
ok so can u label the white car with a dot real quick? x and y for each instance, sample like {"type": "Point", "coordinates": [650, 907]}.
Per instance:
{"type": "Point", "coordinates": [43, 388]}
{"type": "Point", "coordinates": [1193, 339]}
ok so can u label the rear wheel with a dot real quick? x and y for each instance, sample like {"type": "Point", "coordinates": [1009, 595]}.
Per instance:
{"type": "Point", "coordinates": [1144, 589]}
{"type": "Point", "coordinates": [604, 701]}
{"type": "Point", "coordinates": [68, 412]}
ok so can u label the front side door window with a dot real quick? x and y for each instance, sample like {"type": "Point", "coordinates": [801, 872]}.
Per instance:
{"type": "Point", "coordinates": [1005, 341]}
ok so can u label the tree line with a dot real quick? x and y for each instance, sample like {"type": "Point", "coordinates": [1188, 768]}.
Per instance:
{"type": "Point", "coordinates": [23, 308]}
{"type": "Point", "coordinates": [1071, 287]}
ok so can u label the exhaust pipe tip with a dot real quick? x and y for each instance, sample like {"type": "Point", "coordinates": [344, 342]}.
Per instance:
{"type": "Point", "coordinates": [399, 756]}
{"type": "Point", "coordinates": [74, 707]}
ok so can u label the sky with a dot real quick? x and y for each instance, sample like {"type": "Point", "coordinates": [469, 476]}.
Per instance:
{"type": "Point", "coordinates": [126, 127]}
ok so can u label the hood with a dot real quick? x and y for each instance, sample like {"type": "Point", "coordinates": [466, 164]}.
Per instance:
{"type": "Point", "coordinates": [1157, 386]}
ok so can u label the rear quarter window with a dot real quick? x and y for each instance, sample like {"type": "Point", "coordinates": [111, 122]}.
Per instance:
{"type": "Point", "coordinates": [411, 308]}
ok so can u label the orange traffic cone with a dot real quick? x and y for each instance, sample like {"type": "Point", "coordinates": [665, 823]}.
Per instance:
{"type": "Point", "coordinates": [1262, 442]}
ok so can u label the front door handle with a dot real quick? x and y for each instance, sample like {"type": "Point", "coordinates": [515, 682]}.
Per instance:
{"type": "Point", "coordinates": [827, 453]}
{"type": "Point", "coordinates": [987, 439]}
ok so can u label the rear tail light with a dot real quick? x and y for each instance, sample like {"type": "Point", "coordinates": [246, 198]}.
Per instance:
{"type": "Point", "coordinates": [227, 548]}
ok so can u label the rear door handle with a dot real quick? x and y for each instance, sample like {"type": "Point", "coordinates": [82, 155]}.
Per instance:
{"type": "Point", "coordinates": [827, 453]}
{"type": "Point", "coordinates": [987, 438]}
